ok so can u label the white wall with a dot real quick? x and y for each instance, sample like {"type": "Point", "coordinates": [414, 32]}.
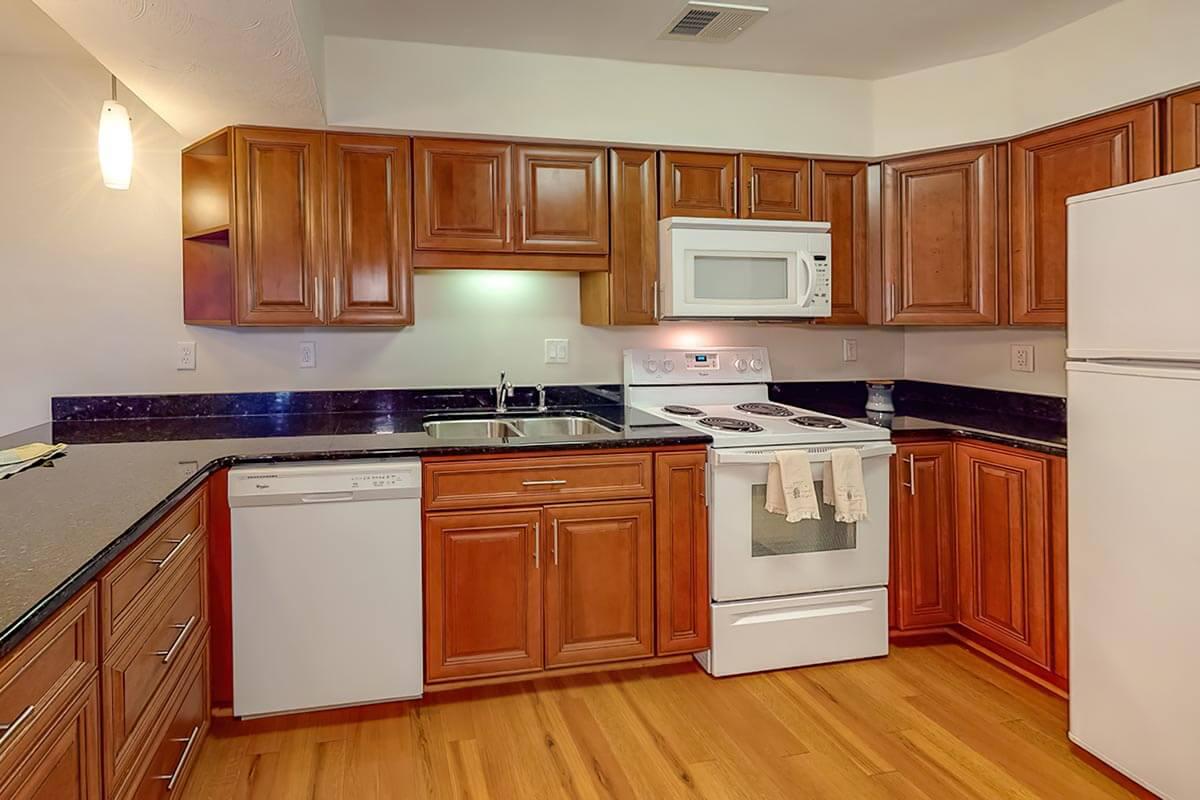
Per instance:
{"type": "Point", "coordinates": [1127, 51]}
{"type": "Point", "coordinates": [980, 357]}
{"type": "Point", "coordinates": [413, 86]}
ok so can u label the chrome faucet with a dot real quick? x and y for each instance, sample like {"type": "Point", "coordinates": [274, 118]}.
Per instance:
{"type": "Point", "coordinates": [541, 392]}
{"type": "Point", "coordinates": [503, 393]}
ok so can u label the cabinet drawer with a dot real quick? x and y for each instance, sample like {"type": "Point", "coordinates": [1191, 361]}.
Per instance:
{"type": "Point", "coordinates": [525, 481]}
{"type": "Point", "coordinates": [136, 676]}
{"type": "Point", "coordinates": [132, 583]}
{"type": "Point", "coordinates": [167, 760]}
{"type": "Point", "coordinates": [39, 679]}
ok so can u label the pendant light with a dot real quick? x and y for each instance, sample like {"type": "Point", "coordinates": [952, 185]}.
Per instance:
{"type": "Point", "coordinates": [115, 143]}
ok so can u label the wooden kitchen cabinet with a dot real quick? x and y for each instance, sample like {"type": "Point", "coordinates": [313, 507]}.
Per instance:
{"type": "Point", "coordinates": [461, 194]}
{"type": "Point", "coordinates": [561, 198]}
{"type": "Point", "coordinates": [1048, 167]}
{"type": "Point", "coordinates": [368, 232]}
{"type": "Point", "coordinates": [1182, 129]}
{"type": "Point", "coordinates": [681, 543]}
{"type": "Point", "coordinates": [599, 582]}
{"type": "Point", "coordinates": [940, 238]}
{"type": "Point", "coordinates": [627, 293]}
{"type": "Point", "coordinates": [483, 593]}
{"type": "Point", "coordinates": [926, 579]}
{"type": "Point", "coordinates": [697, 184]}
{"type": "Point", "coordinates": [774, 187]}
{"type": "Point", "coordinates": [839, 197]}
{"type": "Point", "coordinates": [65, 763]}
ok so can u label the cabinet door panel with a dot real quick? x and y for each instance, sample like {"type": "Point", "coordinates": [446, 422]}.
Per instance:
{"type": "Point", "coordinates": [483, 593]}
{"type": "Point", "coordinates": [599, 598]}
{"type": "Point", "coordinates": [1183, 131]}
{"type": "Point", "coordinates": [65, 764]}
{"type": "Point", "coordinates": [697, 184]}
{"type": "Point", "coordinates": [369, 232]}
{"type": "Point", "coordinates": [1003, 545]}
{"type": "Point", "coordinates": [774, 187]}
{"type": "Point", "coordinates": [562, 200]}
{"type": "Point", "coordinates": [927, 585]}
{"type": "Point", "coordinates": [940, 238]}
{"type": "Point", "coordinates": [681, 552]}
{"type": "Point", "coordinates": [839, 197]}
{"type": "Point", "coordinates": [462, 195]}
{"type": "Point", "coordinates": [1048, 167]}
{"type": "Point", "coordinates": [279, 179]}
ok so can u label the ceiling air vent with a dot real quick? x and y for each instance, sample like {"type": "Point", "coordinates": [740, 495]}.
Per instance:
{"type": "Point", "coordinates": [712, 22]}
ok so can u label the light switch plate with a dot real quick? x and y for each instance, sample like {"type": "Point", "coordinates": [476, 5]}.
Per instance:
{"type": "Point", "coordinates": [308, 355]}
{"type": "Point", "coordinates": [556, 351]}
{"type": "Point", "coordinates": [849, 349]}
{"type": "Point", "coordinates": [1021, 358]}
{"type": "Point", "coordinates": [185, 355]}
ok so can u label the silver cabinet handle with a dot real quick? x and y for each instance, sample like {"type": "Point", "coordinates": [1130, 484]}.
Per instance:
{"type": "Point", "coordinates": [556, 542]}
{"type": "Point", "coordinates": [159, 563]}
{"type": "Point", "coordinates": [912, 474]}
{"type": "Point", "coordinates": [654, 288]}
{"type": "Point", "coordinates": [752, 190]}
{"type": "Point", "coordinates": [892, 307]}
{"type": "Point", "coordinates": [11, 728]}
{"type": "Point", "coordinates": [183, 757]}
{"type": "Point", "coordinates": [543, 483]}
{"type": "Point", "coordinates": [184, 630]}
{"type": "Point", "coordinates": [537, 545]}
{"type": "Point", "coordinates": [507, 224]}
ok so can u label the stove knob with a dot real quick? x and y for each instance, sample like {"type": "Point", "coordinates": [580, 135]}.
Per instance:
{"type": "Point", "coordinates": [668, 365]}
{"type": "Point", "coordinates": [756, 364]}
{"type": "Point", "coordinates": [740, 365]}
{"type": "Point", "coordinates": [651, 365]}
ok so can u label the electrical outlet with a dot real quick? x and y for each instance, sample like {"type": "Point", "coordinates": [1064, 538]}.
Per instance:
{"type": "Point", "coordinates": [185, 355]}
{"type": "Point", "coordinates": [308, 355]}
{"type": "Point", "coordinates": [556, 351]}
{"type": "Point", "coordinates": [1021, 358]}
{"type": "Point", "coordinates": [849, 349]}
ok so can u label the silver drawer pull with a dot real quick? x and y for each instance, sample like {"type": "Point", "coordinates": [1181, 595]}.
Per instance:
{"type": "Point", "coordinates": [11, 728]}
{"type": "Point", "coordinates": [183, 629]}
{"type": "Point", "coordinates": [543, 483]}
{"type": "Point", "coordinates": [159, 563]}
{"type": "Point", "coordinates": [187, 751]}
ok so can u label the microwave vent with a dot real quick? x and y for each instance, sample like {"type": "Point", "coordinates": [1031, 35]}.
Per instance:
{"type": "Point", "coordinates": [712, 22]}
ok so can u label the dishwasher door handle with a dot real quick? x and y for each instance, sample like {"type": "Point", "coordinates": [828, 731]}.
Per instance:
{"type": "Point", "coordinates": [327, 497]}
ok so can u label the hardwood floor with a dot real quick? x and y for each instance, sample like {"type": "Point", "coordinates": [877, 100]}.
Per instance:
{"type": "Point", "coordinates": [932, 721]}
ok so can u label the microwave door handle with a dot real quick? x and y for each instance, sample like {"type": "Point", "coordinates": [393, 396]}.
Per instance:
{"type": "Point", "coordinates": [811, 267]}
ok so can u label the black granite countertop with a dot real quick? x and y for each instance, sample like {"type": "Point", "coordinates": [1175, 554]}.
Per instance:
{"type": "Point", "coordinates": [62, 523]}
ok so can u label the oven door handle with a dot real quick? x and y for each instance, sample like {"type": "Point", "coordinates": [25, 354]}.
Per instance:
{"type": "Point", "coordinates": [768, 456]}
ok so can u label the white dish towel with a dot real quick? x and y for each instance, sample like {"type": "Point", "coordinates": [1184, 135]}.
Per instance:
{"type": "Point", "coordinates": [842, 485]}
{"type": "Point", "coordinates": [790, 488]}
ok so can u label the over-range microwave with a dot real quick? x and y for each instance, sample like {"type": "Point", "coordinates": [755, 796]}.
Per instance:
{"type": "Point", "coordinates": [743, 268]}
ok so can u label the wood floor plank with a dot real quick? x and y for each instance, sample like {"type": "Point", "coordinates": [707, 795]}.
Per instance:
{"type": "Point", "coordinates": [933, 722]}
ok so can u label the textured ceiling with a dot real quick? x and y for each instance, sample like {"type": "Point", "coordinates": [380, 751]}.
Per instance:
{"type": "Point", "coordinates": [202, 64]}
{"type": "Point", "coordinates": [847, 38]}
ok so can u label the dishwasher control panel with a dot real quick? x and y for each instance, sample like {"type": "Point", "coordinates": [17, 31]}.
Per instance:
{"type": "Point", "coordinates": [327, 481]}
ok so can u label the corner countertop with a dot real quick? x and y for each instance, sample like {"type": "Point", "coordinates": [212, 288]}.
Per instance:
{"type": "Point", "coordinates": [63, 522]}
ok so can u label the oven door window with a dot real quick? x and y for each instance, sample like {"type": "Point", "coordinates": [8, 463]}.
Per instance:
{"type": "Point", "coordinates": [724, 277]}
{"type": "Point", "coordinates": [772, 535]}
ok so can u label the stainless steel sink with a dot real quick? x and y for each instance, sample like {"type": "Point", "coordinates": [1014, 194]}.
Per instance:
{"type": "Point", "coordinates": [560, 426]}
{"type": "Point", "coordinates": [471, 429]}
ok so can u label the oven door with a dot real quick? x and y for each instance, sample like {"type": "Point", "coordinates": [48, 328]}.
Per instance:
{"type": "Point", "coordinates": [755, 553]}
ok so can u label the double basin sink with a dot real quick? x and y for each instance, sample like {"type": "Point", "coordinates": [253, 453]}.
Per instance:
{"type": "Point", "coordinates": [515, 427]}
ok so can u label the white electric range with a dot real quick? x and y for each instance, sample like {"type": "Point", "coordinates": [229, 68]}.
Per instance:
{"type": "Point", "coordinates": [783, 594]}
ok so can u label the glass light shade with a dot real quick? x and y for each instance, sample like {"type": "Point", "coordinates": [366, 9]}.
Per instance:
{"type": "Point", "coordinates": [116, 145]}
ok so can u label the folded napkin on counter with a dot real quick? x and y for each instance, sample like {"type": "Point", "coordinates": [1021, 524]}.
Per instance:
{"type": "Point", "coordinates": [843, 485]}
{"type": "Point", "coordinates": [790, 487]}
{"type": "Point", "coordinates": [27, 455]}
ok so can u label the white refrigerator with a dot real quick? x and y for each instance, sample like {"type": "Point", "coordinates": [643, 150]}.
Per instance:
{"type": "Point", "coordinates": [1133, 417]}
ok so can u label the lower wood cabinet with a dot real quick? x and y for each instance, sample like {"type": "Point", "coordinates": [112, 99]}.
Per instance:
{"type": "Point", "coordinates": [924, 585]}
{"type": "Point", "coordinates": [65, 763]}
{"type": "Point", "coordinates": [681, 541]}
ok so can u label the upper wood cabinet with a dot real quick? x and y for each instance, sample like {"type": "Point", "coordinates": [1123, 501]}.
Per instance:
{"type": "Point", "coordinates": [279, 198]}
{"type": "Point", "coordinates": [1048, 167]}
{"type": "Point", "coordinates": [940, 239]}
{"type": "Point", "coordinates": [483, 593]}
{"type": "Point", "coordinates": [1182, 127]}
{"type": "Point", "coordinates": [697, 184]}
{"type": "Point", "coordinates": [839, 197]}
{"type": "Point", "coordinates": [926, 579]}
{"type": "Point", "coordinates": [599, 589]}
{"type": "Point", "coordinates": [626, 294]}
{"type": "Point", "coordinates": [369, 230]}
{"type": "Point", "coordinates": [462, 195]}
{"type": "Point", "coordinates": [774, 187]}
{"type": "Point", "coordinates": [562, 203]}
{"type": "Point", "coordinates": [681, 564]}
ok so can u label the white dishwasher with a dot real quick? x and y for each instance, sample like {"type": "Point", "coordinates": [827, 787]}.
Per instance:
{"type": "Point", "coordinates": [326, 584]}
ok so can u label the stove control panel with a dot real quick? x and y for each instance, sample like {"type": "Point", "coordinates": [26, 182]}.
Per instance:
{"type": "Point", "coordinates": [684, 367]}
